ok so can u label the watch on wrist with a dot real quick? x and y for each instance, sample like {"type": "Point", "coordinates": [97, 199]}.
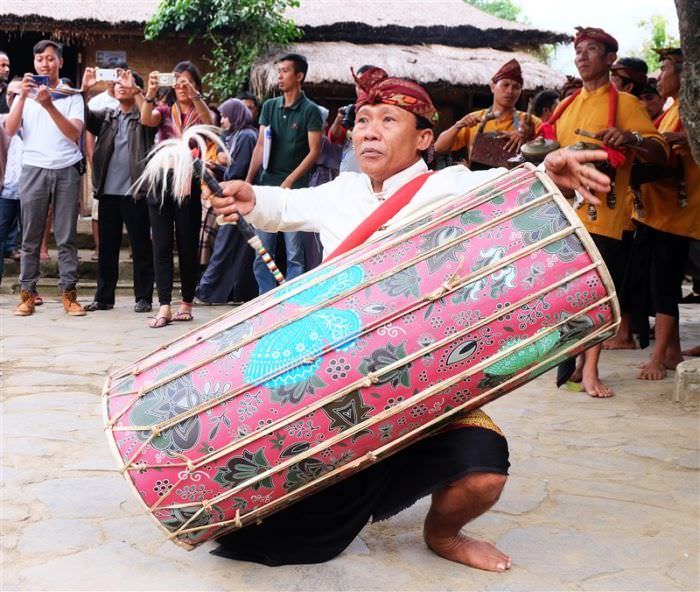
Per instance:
{"type": "Point", "coordinates": [638, 138]}
{"type": "Point", "coordinates": [151, 101]}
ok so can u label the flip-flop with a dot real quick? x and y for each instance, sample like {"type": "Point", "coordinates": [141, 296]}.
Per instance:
{"type": "Point", "coordinates": [183, 316]}
{"type": "Point", "coordinates": [159, 322]}
{"type": "Point", "coordinates": [574, 387]}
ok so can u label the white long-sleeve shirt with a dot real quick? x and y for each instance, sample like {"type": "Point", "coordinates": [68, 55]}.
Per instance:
{"type": "Point", "coordinates": [335, 209]}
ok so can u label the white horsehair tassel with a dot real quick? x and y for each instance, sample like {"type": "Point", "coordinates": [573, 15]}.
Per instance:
{"type": "Point", "coordinates": [170, 163]}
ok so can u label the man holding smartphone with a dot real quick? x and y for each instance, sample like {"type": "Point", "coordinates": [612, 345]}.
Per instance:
{"type": "Point", "coordinates": [50, 175]}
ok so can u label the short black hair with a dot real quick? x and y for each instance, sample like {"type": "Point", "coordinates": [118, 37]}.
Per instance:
{"type": "Point", "coordinates": [545, 99]}
{"type": "Point", "coordinates": [422, 123]}
{"type": "Point", "coordinates": [188, 66]}
{"type": "Point", "coordinates": [246, 95]}
{"type": "Point", "coordinates": [637, 64]}
{"type": "Point", "coordinates": [121, 65]}
{"type": "Point", "coordinates": [299, 61]}
{"type": "Point", "coordinates": [41, 46]}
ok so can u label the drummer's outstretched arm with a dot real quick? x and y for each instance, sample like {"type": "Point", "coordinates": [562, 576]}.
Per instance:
{"type": "Point", "coordinates": [270, 208]}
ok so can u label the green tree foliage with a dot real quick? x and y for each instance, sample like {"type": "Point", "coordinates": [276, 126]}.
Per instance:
{"type": "Point", "coordinates": [505, 9]}
{"type": "Point", "coordinates": [236, 33]}
{"type": "Point", "coordinates": [659, 37]}
{"type": "Point", "coordinates": [510, 11]}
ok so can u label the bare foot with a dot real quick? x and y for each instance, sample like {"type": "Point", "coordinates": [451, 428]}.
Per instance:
{"type": "Point", "coordinates": [653, 370]}
{"type": "Point", "coordinates": [619, 343]}
{"type": "Point", "coordinates": [693, 351]}
{"type": "Point", "coordinates": [595, 387]}
{"type": "Point", "coordinates": [671, 361]}
{"type": "Point", "coordinates": [469, 551]}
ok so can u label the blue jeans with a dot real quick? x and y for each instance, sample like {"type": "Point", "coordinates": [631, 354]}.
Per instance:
{"type": "Point", "coordinates": [295, 258]}
{"type": "Point", "coordinates": [9, 214]}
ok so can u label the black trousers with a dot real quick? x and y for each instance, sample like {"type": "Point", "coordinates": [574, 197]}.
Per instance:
{"type": "Point", "coordinates": [114, 212]}
{"type": "Point", "coordinates": [180, 222]}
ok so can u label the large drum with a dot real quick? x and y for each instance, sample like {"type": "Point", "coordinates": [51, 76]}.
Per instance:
{"type": "Point", "coordinates": [363, 356]}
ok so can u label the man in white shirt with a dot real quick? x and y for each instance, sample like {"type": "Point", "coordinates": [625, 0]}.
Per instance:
{"type": "Point", "coordinates": [465, 467]}
{"type": "Point", "coordinates": [51, 129]}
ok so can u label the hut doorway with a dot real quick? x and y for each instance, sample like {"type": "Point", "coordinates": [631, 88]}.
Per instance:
{"type": "Point", "coordinates": [18, 47]}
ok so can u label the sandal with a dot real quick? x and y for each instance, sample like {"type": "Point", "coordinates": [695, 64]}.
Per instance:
{"type": "Point", "coordinates": [183, 315]}
{"type": "Point", "coordinates": [159, 322]}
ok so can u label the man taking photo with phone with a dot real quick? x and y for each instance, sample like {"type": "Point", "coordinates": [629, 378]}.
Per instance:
{"type": "Point", "coordinates": [51, 169]}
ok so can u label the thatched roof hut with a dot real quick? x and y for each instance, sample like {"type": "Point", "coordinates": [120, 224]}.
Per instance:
{"type": "Point", "coordinates": [76, 19]}
{"type": "Point", "coordinates": [447, 45]}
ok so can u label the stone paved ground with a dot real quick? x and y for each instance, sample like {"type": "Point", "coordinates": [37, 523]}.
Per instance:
{"type": "Point", "coordinates": [603, 494]}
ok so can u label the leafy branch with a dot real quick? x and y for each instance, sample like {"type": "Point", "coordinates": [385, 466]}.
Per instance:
{"type": "Point", "coordinates": [234, 33]}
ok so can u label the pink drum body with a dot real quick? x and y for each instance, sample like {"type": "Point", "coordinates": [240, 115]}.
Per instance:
{"type": "Point", "coordinates": [364, 355]}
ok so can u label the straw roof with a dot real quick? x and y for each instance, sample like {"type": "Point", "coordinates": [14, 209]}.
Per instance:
{"type": "Point", "coordinates": [329, 63]}
{"type": "Point", "coordinates": [55, 14]}
{"type": "Point", "coordinates": [448, 22]}
{"type": "Point", "coordinates": [407, 13]}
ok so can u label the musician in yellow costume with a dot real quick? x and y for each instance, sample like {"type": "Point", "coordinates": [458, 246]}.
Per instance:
{"type": "Point", "coordinates": [463, 467]}
{"type": "Point", "coordinates": [669, 217]}
{"type": "Point", "coordinates": [502, 116]}
{"type": "Point", "coordinates": [621, 124]}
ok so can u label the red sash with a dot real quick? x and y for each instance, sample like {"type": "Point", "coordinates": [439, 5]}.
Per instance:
{"type": "Point", "coordinates": [385, 212]}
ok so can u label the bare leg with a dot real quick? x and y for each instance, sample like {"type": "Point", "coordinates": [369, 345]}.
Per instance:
{"type": "Point", "coordinates": [591, 381]}
{"type": "Point", "coordinates": [623, 339]}
{"type": "Point", "coordinates": [455, 505]}
{"type": "Point", "coordinates": [674, 355]}
{"type": "Point", "coordinates": [667, 349]}
{"type": "Point", "coordinates": [95, 238]}
{"type": "Point", "coordinates": [577, 376]}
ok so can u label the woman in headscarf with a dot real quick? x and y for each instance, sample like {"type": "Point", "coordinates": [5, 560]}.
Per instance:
{"type": "Point", "coordinates": [229, 274]}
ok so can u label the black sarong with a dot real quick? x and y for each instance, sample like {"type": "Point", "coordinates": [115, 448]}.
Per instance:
{"type": "Point", "coordinates": [321, 526]}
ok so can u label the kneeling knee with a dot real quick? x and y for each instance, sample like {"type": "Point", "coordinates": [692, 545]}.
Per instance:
{"type": "Point", "coordinates": [487, 486]}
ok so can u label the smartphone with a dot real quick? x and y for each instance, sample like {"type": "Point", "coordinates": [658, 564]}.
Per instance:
{"type": "Point", "coordinates": [39, 79]}
{"type": "Point", "coordinates": [167, 79]}
{"type": "Point", "coordinates": [106, 74]}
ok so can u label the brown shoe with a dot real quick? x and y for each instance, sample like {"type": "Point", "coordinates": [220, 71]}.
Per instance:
{"type": "Point", "coordinates": [70, 304]}
{"type": "Point", "coordinates": [26, 304]}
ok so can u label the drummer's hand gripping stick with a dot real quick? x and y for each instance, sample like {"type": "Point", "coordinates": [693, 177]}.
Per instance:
{"type": "Point", "coordinates": [243, 225]}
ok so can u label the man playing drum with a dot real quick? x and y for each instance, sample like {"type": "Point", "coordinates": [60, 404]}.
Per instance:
{"type": "Point", "coordinates": [464, 467]}
{"type": "Point", "coordinates": [502, 117]}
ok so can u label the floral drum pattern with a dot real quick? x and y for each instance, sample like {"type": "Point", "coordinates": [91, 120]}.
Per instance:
{"type": "Point", "coordinates": [367, 353]}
